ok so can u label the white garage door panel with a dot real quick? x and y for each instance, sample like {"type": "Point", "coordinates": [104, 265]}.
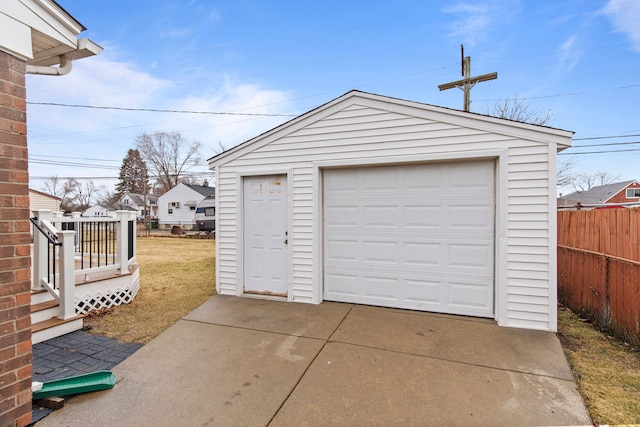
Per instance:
{"type": "Point", "coordinates": [418, 237]}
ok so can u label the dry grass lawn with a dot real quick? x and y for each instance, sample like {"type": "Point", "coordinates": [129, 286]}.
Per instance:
{"type": "Point", "coordinates": [607, 371]}
{"type": "Point", "coordinates": [176, 276]}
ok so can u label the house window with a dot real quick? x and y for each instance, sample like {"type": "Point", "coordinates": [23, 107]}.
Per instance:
{"type": "Point", "coordinates": [192, 208]}
{"type": "Point", "coordinates": [633, 193]}
{"type": "Point", "coordinates": [170, 209]}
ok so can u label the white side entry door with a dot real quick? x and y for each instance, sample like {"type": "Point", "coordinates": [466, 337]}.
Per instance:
{"type": "Point", "coordinates": [265, 235]}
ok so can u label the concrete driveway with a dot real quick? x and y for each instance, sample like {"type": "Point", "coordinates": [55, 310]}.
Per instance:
{"type": "Point", "coordinates": [241, 361]}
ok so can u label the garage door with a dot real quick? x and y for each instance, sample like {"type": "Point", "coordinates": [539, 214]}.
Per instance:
{"type": "Point", "coordinates": [416, 236]}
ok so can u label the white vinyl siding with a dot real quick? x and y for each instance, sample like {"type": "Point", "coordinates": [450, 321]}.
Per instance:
{"type": "Point", "coordinates": [375, 131]}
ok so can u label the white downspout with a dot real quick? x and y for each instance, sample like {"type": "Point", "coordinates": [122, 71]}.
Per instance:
{"type": "Point", "coordinates": [64, 68]}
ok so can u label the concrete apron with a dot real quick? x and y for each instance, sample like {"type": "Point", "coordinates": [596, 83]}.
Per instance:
{"type": "Point", "coordinates": [241, 361]}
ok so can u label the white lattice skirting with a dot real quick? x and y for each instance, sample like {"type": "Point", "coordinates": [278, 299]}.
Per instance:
{"type": "Point", "coordinates": [107, 298]}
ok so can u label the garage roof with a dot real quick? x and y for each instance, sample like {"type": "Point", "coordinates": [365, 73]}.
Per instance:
{"type": "Point", "coordinates": [544, 134]}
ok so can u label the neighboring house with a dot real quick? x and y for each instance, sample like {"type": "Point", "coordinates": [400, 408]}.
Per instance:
{"type": "Point", "coordinates": [128, 202]}
{"type": "Point", "coordinates": [100, 210]}
{"type": "Point", "coordinates": [178, 205]}
{"type": "Point", "coordinates": [107, 210]}
{"type": "Point", "coordinates": [375, 200]}
{"type": "Point", "coordinates": [619, 192]}
{"type": "Point", "coordinates": [35, 36]}
{"type": "Point", "coordinates": [40, 200]}
{"type": "Point", "coordinates": [136, 202]}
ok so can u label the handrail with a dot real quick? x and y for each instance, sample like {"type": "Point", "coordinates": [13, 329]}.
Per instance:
{"type": "Point", "coordinates": [51, 240]}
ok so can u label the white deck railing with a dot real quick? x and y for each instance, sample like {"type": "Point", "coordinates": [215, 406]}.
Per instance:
{"type": "Point", "coordinates": [65, 248]}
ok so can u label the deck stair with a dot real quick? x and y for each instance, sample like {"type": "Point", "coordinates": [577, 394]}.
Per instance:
{"type": "Point", "coordinates": [80, 265]}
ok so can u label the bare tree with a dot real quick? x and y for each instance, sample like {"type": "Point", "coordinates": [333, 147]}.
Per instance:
{"type": "Point", "coordinates": [74, 195]}
{"type": "Point", "coordinates": [168, 155]}
{"type": "Point", "coordinates": [517, 109]}
{"type": "Point", "coordinates": [586, 181]}
{"type": "Point", "coordinates": [84, 195]}
{"type": "Point", "coordinates": [565, 175]}
{"type": "Point", "coordinates": [64, 190]}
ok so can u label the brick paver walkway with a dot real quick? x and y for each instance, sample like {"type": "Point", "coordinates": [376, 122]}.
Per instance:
{"type": "Point", "coordinates": [73, 354]}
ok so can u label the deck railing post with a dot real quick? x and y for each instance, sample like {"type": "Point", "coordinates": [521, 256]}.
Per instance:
{"type": "Point", "coordinates": [40, 252]}
{"type": "Point", "coordinates": [67, 287]}
{"type": "Point", "coordinates": [122, 240]}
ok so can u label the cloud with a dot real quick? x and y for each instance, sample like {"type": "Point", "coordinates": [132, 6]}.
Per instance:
{"type": "Point", "coordinates": [106, 81]}
{"type": "Point", "coordinates": [567, 54]}
{"type": "Point", "coordinates": [477, 19]}
{"type": "Point", "coordinates": [625, 15]}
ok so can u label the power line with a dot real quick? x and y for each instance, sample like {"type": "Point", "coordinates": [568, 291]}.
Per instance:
{"type": "Point", "coordinates": [155, 110]}
{"type": "Point", "coordinates": [609, 144]}
{"type": "Point", "coordinates": [606, 137]}
{"type": "Point", "coordinates": [599, 152]}
{"type": "Point", "coordinates": [47, 156]}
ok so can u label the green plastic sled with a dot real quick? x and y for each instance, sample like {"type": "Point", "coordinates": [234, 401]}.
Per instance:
{"type": "Point", "coordinates": [94, 381]}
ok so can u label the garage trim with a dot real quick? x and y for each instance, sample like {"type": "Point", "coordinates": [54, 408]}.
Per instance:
{"type": "Point", "coordinates": [500, 246]}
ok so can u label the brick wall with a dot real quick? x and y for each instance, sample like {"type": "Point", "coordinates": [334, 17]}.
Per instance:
{"type": "Point", "coordinates": [15, 255]}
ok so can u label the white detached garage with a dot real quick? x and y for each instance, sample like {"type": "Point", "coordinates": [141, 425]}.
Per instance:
{"type": "Point", "coordinates": [380, 201]}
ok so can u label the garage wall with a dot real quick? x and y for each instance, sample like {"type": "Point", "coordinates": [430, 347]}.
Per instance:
{"type": "Point", "coordinates": [372, 129]}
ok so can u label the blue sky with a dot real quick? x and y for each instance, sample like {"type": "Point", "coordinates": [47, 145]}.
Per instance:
{"type": "Point", "coordinates": [577, 59]}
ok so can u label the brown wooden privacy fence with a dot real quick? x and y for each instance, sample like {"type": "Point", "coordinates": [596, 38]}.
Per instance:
{"type": "Point", "coordinates": [599, 267]}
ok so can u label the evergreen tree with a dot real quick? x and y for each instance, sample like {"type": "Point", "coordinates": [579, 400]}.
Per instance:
{"type": "Point", "coordinates": [134, 177]}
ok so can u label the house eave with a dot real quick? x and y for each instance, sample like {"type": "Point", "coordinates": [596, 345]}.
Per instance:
{"type": "Point", "coordinates": [40, 31]}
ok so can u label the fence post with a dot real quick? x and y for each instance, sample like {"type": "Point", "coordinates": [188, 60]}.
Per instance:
{"type": "Point", "coordinates": [40, 252]}
{"type": "Point", "coordinates": [67, 275]}
{"type": "Point", "coordinates": [122, 240]}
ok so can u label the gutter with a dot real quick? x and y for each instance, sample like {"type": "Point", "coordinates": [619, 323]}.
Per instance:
{"type": "Point", "coordinates": [64, 68]}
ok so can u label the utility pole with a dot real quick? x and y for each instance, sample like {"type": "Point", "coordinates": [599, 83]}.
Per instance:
{"type": "Point", "coordinates": [467, 82]}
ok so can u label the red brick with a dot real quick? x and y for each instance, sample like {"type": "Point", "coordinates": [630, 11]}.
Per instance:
{"type": "Point", "coordinates": [7, 328]}
{"type": "Point", "coordinates": [18, 362]}
{"type": "Point", "coordinates": [15, 239]}
{"type": "Point", "coordinates": [24, 396]}
{"type": "Point", "coordinates": [23, 323]}
{"type": "Point", "coordinates": [19, 91]}
{"type": "Point", "coordinates": [14, 263]}
{"type": "Point", "coordinates": [8, 301]}
{"type": "Point", "coordinates": [18, 103]}
{"type": "Point", "coordinates": [14, 313]}
{"type": "Point", "coordinates": [22, 176]}
{"type": "Point", "coordinates": [25, 372]}
{"type": "Point", "coordinates": [19, 127]}
{"type": "Point", "coordinates": [6, 405]}
{"type": "Point", "coordinates": [8, 251]}
{"type": "Point", "coordinates": [22, 226]}
{"type": "Point", "coordinates": [23, 298]}
{"type": "Point", "coordinates": [7, 227]}
{"type": "Point", "coordinates": [12, 287]}
{"type": "Point", "coordinates": [23, 275]}
{"type": "Point", "coordinates": [24, 420]}
{"type": "Point", "coordinates": [8, 378]}
{"type": "Point", "coordinates": [13, 139]}
{"type": "Point", "coordinates": [6, 354]}
{"type": "Point", "coordinates": [23, 250]}
{"type": "Point", "coordinates": [22, 415]}
{"type": "Point", "coordinates": [7, 276]}
{"type": "Point", "coordinates": [12, 114]}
